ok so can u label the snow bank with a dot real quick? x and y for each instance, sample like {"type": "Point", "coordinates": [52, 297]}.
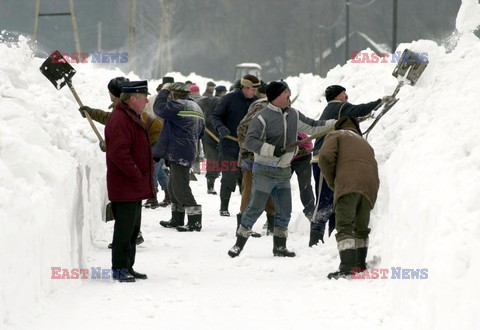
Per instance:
{"type": "Point", "coordinates": [52, 183]}
{"type": "Point", "coordinates": [52, 189]}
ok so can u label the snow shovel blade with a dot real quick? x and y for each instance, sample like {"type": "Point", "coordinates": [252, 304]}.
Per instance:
{"type": "Point", "coordinates": [57, 70]}
{"type": "Point", "coordinates": [412, 65]}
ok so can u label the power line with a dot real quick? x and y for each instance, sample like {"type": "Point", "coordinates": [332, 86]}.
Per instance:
{"type": "Point", "coordinates": [362, 6]}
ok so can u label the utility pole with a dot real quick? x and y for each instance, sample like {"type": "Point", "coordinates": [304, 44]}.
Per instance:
{"type": "Point", "coordinates": [72, 15]}
{"type": "Point", "coordinates": [347, 32]}
{"type": "Point", "coordinates": [99, 36]}
{"type": "Point", "coordinates": [394, 25]}
{"type": "Point", "coordinates": [74, 26]}
{"type": "Point", "coordinates": [131, 36]}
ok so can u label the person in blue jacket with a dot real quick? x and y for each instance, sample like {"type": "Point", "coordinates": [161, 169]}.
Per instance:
{"type": "Point", "coordinates": [183, 127]}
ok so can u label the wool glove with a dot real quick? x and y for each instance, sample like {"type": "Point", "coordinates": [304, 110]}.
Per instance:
{"type": "Point", "coordinates": [87, 109]}
{"type": "Point", "coordinates": [223, 131]}
{"type": "Point", "coordinates": [279, 151]}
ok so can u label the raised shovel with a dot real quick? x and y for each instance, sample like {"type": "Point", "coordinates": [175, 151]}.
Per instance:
{"type": "Point", "coordinates": [60, 73]}
{"type": "Point", "coordinates": [408, 70]}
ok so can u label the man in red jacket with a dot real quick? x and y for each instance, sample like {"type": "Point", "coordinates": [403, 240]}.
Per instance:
{"type": "Point", "coordinates": [129, 175]}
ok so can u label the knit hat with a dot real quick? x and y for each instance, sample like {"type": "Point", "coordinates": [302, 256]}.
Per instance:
{"type": "Point", "coordinates": [194, 89]}
{"type": "Point", "coordinates": [211, 84]}
{"type": "Point", "coordinates": [115, 85]}
{"type": "Point", "coordinates": [333, 91]}
{"type": "Point", "coordinates": [219, 89]}
{"type": "Point", "coordinates": [275, 88]}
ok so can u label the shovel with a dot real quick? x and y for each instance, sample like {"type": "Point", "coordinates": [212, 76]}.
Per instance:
{"type": "Point", "coordinates": [408, 70]}
{"type": "Point", "coordinates": [60, 73]}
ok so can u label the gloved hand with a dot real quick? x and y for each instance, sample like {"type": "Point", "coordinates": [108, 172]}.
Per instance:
{"type": "Point", "coordinates": [166, 86]}
{"type": "Point", "coordinates": [279, 151]}
{"type": "Point", "coordinates": [387, 99]}
{"type": "Point", "coordinates": [87, 109]}
{"type": "Point", "coordinates": [223, 131]}
{"type": "Point", "coordinates": [102, 146]}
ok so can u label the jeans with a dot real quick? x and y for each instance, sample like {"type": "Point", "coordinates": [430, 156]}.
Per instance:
{"type": "Point", "coordinates": [247, 178]}
{"type": "Point", "coordinates": [160, 176]}
{"type": "Point", "coordinates": [264, 186]}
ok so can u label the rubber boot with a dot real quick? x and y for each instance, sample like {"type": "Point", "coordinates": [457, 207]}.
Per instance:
{"type": "Point", "coordinates": [176, 220]}
{"type": "Point", "coordinates": [211, 187]}
{"type": "Point", "coordinates": [252, 233]}
{"type": "Point", "coordinates": [348, 254]}
{"type": "Point", "coordinates": [270, 223]}
{"type": "Point", "coordinates": [166, 200]}
{"type": "Point", "coordinates": [224, 207]}
{"type": "Point", "coordinates": [361, 245]}
{"type": "Point", "coordinates": [238, 247]}
{"type": "Point", "coordinates": [280, 247]}
{"type": "Point", "coordinates": [315, 237]}
{"type": "Point", "coordinates": [194, 223]}
{"type": "Point", "coordinates": [194, 219]}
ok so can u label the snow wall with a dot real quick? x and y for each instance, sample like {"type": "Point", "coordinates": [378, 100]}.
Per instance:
{"type": "Point", "coordinates": [52, 175]}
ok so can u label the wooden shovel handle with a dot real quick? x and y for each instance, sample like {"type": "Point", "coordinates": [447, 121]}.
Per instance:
{"type": "Point", "coordinates": [209, 132]}
{"type": "Point", "coordinates": [75, 95]}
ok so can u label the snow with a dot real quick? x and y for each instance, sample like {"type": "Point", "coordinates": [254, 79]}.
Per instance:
{"type": "Point", "coordinates": [52, 196]}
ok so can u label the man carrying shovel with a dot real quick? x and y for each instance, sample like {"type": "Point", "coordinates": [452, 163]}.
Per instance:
{"type": "Point", "coordinates": [338, 106]}
{"type": "Point", "coordinates": [129, 175]}
{"type": "Point", "coordinates": [153, 125]}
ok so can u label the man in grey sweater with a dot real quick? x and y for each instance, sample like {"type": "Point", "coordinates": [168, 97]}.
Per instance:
{"type": "Point", "coordinates": [269, 134]}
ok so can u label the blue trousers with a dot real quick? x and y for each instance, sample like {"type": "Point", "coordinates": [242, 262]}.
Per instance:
{"type": "Point", "coordinates": [262, 187]}
{"type": "Point", "coordinates": [159, 176]}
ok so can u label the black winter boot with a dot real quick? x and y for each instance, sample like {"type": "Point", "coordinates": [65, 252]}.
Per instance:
{"type": "Point", "coordinates": [360, 257]}
{"type": "Point", "coordinates": [211, 187]}
{"type": "Point", "coordinates": [176, 220]}
{"type": "Point", "coordinates": [166, 200]}
{"type": "Point", "coordinates": [224, 207]}
{"type": "Point", "coordinates": [194, 223]}
{"type": "Point", "coordinates": [315, 237]}
{"type": "Point", "coordinates": [270, 223]}
{"type": "Point", "coordinates": [252, 233]}
{"type": "Point", "coordinates": [151, 203]}
{"type": "Point", "coordinates": [139, 240]}
{"type": "Point", "coordinates": [280, 247]}
{"type": "Point", "coordinates": [347, 261]}
{"type": "Point", "coordinates": [238, 247]}
{"type": "Point", "coordinates": [137, 275]}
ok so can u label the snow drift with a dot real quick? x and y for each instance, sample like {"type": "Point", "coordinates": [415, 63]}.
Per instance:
{"type": "Point", "coordinates": [52, 185]}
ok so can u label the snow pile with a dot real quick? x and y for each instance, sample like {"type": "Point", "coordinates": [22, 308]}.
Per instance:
{"type": "Point", "coordinates": [52, 193]}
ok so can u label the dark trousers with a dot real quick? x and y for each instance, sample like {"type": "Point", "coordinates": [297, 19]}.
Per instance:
{"type": "Point", "coordinates": [211, 158]}
{"type": "Point", "coordinates": [353, 216]}
{"type": "Point", "coordinates": [302, 167]}
{"type": "Point", "coordinates": [231, 176]}
{"type": "Point", "coordinates": [179, 186]}
{"type": "Point", "coordinates": [325, 206]}
{"type": "Point", "coordinates": [128, 218]}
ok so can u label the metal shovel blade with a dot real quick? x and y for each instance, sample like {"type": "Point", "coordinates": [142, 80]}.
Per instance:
{"type": "Point", "coordinates": [411, 65]}
{"type": "Point", "coordinates": [57, 70]}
